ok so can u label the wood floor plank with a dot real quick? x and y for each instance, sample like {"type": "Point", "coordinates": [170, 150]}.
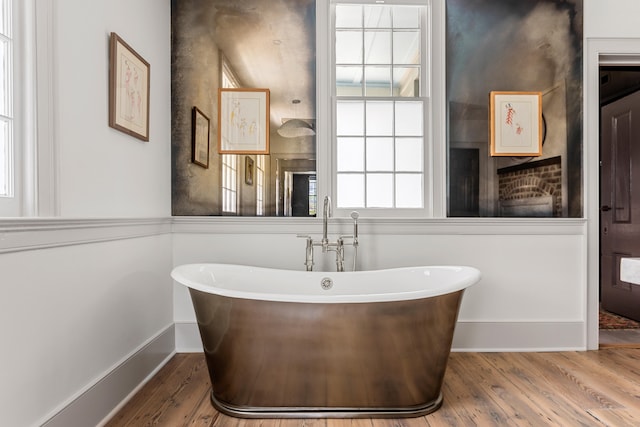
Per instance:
{"type": "Point", "coordinates": [204, 414]}
{"type": "Point", "coordinates": [225, 421]}
{"type": "Point", "coordinates": [400, 422]}
{"type": "Point", "coordinates": [565, 381]}
{"type": "Point", "coordinates": [595, 388]}
{"type": "Point", "coordinates": [528, 381]}
{"type": "Point", "coordinates": [613, 379]}
{"type": "Point", "coordinates": [504, 400]}
{"type": "Point", "coordinates": [616, 417]}
{"type": "Point", "coordinates": [179, 397]}
{"type": "Point", "coordinates": [468, 397]}
{"type": "Point", "coordinates": [154, 386]}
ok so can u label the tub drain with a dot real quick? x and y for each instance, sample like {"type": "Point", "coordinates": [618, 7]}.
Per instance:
{"type": "Point", "coordinates": [326, 283]}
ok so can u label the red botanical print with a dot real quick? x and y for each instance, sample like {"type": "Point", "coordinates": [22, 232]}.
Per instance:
{"type": "Point", "coordinates": [510, 113]}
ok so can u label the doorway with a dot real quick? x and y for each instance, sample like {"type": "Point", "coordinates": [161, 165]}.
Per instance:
{"type": "Point", "coordinates": [301, 194]}
{"type": "Point", "coordinates": [619, 101]}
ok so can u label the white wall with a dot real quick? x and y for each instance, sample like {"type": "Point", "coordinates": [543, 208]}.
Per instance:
{"type": "Point", "coordinates": [72, 314]}
{"type": "Point", "coordinates": [612, 19]}
{"type": "Point", "coordinates": [104, 172]}
{"type": "Point", "coordinates": [532, 295]}
{"type": "Point", "coordinates": [86, 307]}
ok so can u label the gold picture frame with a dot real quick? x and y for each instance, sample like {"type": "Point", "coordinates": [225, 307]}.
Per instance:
{"type": "Point", "coordinates": [516, 123]}
{"type": "Point", "coordinates": [129, 88]}
{"type": "Point", "coordinates": [200, 130]}
{"type": "Point", "coordinates": [243, 121]}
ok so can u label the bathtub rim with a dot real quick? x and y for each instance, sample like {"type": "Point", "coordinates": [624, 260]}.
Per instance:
{"type": "Point", "coordinates": [472, 276]}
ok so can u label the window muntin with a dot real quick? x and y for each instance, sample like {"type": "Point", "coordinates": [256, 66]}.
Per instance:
{"type": "Point", "coordinates": [380, 137]}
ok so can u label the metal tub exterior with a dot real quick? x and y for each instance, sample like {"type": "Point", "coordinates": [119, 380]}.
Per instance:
{"type": "Point", "coordinates": [270, 359]}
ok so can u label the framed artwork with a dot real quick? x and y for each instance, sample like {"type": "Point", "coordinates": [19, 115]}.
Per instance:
{"type": "Point", "coordinates": [248, 170]}
{"type": "Point", "coordinates": [516, 125]}
{"type": "Point", "coordinates": [129, 87]}
{"type": "Point", "coordinates": [200, 129]}
{"type": "Point", "coordinates": [243, 121]}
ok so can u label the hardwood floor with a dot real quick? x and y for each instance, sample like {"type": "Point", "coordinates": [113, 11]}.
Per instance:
{"type": "Point", "coordinates": [594, 388]}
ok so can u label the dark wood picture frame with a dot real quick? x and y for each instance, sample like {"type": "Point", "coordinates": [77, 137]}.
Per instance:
{"type": "Point", "coordinates": [248, 170]}
{"type": "Point", "coordinates": [200, 136]}
{"type": "Point", "coordinates": [129, 89]}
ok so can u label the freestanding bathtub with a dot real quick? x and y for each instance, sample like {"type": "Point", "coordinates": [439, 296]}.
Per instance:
{"type": "Point", "coordinates": [294, 344]}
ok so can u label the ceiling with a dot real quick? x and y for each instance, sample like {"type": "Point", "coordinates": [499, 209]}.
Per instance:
{"type": "Point", "coordinates": [270, 44]}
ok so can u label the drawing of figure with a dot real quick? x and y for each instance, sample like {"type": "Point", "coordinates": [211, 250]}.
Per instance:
{"type": "Point", "coordinates": [132, 97]}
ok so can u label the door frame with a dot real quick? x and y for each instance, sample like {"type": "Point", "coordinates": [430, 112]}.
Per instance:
{"type": "Point", "coordinates": [599, 52]}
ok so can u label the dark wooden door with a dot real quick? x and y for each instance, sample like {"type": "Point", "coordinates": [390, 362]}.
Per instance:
{"type": "Point", "coordinates": [464, 182]}
{"type": "Point", "coordinates": [300, 195]}
{"type": "Point", "coordinates": [620, 203]}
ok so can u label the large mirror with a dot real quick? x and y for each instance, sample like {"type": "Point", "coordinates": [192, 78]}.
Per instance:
{"type": "Point", "coordinates": [244, 44]}
{"type": "Point", "coordinates": [502, 45]}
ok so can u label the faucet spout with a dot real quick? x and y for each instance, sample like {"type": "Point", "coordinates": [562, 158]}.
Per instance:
{"type": "Point", "coordinates": [325, 217]}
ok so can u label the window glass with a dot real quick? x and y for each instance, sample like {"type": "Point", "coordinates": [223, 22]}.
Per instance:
{"type": "Point", "coordinates": [377, 47]}
{"type": "Point", "coordinates": [408, 154]}
{"type": "Point", "coordinates": [350, 154]}
{"type": "Point", "coordinates": [380, 154]}
{"type": "Point", "coordinates": [351, 190]}
{"type": "Point", "coordinates": [407, 187]}
{"type": "Point", "coordinates": [379, 190]}
{"type": "Point", "coordinates": [380, 118]}
{"type": "Point", "coordinates": [350, 118]}
{"type": "Point", "coordinates": [349, 47]}
{"type": "Point", "coordinates": [6, 99]}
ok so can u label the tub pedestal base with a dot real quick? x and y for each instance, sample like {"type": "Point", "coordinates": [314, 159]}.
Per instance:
{"type": "Point", "coordinates": [250, 412]}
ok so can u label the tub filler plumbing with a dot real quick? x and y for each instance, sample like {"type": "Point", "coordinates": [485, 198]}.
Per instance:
{"type": "Point", "coordinates": [327, 245]}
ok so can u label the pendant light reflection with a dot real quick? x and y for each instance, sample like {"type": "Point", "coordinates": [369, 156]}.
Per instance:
{"type": "Point", "coordinates": [293, 128]}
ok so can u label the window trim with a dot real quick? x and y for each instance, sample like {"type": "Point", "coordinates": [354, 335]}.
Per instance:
{"type": "Point", "coordinates": [36, 162]}
{"type": "Point", "coordinates": [435, 153]}
{"type": "Point", "coordinates": [10, 202]}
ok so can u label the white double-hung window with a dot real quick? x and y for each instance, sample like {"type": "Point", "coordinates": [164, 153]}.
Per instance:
{"type": "Point", "coordinates": [380, 105]}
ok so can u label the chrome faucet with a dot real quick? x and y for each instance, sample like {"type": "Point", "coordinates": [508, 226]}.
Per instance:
{"type": "Point", "coordinates": [326, 214]}
{"type": "Point", "coordinates": [337, 246]}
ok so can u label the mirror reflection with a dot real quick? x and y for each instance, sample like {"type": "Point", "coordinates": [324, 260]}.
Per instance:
{"type": "Point", "coordinates": [245, 44]}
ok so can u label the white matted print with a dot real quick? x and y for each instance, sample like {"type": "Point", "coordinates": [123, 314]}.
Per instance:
{"type": "Point", "coordinates": [243, 121]}
{"type": "Point", "coordinates": [129, 85]}
{"type": "Point", "coordinates": [516, 123]}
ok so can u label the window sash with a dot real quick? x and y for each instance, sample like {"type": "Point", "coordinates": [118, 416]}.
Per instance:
{"type": "Point", "coordinates": [366, 179]}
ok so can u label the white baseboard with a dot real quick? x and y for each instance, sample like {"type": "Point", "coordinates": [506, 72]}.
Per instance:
{"type": "Point", "coordinates": [519, 336]}
{"type": "Point", "coordinates": [469, 336]}
{"type": "Point", "coordinates": [101, 400]}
